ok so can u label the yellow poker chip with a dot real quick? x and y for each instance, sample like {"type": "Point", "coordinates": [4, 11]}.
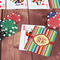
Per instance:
{"type": "Point", "coordinates": [9, 26]}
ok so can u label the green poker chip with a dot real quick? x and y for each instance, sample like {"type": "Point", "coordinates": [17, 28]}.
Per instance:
{"type": "Point", "coordinates": [9, 27]}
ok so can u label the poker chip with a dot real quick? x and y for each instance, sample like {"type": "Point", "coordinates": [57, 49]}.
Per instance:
{"type": "Point", "coordinates": [51, 14]}
{"type": "Point", "coordinates": [13, 16]}
{"type": "Point", "coordinates": [2, 34]}
{"type": "Point", "coordinates": [9, 27]}
{"type": "Point", "coordinates": [0, 24]}
{"type": "Point", "coordinates": [54, 22]}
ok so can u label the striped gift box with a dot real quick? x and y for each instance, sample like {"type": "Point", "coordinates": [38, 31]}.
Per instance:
{"type": "Point", "coordinates": [42, 50]}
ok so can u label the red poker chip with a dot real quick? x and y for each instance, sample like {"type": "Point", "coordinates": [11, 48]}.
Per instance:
{"type": "Point", "coordinates": [15, 17]}
{"type": "Point", "coordinates": [4, 18]}
{"type": "Point", "coordinates": [54, 22]}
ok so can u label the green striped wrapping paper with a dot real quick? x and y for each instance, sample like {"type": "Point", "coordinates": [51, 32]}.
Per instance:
{"type": "Point", "coordinates": [55, 3]}
{"type": "Point", "coordinates": [42, 50]}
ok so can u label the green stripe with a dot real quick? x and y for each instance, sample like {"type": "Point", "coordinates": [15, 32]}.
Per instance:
{"type": "Point", "coordinates": [47, 50]}
{"type": "Point", "coordinates": [32, 44]}
{"type": "Point", "coordinates": [50, 50]}
{"type": "Point", "coordinates": [53, 35]}
{"type": "Point", "coordinates": [55, 4]}
{"type": "Point", "coordinates": [38, 31]}
{"type": "Point", "coordinates": [30, 48]}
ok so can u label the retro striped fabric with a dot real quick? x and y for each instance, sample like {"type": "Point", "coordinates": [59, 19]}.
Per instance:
{"type": "Point", "coordinates": [54, 3]}
{"type": "Point", "coordinates": [42, 50]}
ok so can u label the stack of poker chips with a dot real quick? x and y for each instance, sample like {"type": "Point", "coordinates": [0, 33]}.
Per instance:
{"type": "Point", "coordinates": [8, 26]}
{"type": "Point", "coordinates": [38, 1]}
{"type": "Point", "coordinates": [54, 3]}
{"type": "Point", "coordinates": [17, 2]}
{"type": "Point", "coordinates": [2, 33]}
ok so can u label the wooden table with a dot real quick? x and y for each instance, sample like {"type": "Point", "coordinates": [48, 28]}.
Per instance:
{"type": "Point", "coordinates": [10, 45]}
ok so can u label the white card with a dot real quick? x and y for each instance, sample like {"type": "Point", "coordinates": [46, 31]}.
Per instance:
{"type": "Point", "coordinates": [2, 4]}
{"type": "Point", "coordinates": [38, 4]}
{"type": "Point", "coordinates": [16, 4]}
{"type": "Point", "coordinates": [23, 37]}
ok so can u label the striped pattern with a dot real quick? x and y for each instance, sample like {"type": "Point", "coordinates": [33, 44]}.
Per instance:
{"type": "Point", "coordinates": [43, 50]}
{"type": "Point", "coordinates": [54, 3]}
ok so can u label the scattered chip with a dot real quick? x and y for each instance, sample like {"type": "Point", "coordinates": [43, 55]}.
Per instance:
{"type": "Point", "coordinates": [0, 24]}
{"type": "Point", "coordinates": [2, 34]}
{"type": "Point", "coordinates": [9, 27]}
{"type": "Point", "coordinates": [15, 17]}
{"type": "Point", "coordinates": [54, 22]}
{"type": "Point", "coordinates": [51, 14]}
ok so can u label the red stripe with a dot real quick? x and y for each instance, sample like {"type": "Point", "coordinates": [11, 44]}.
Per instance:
{"type": "Point", "coordinates": [50, 4]}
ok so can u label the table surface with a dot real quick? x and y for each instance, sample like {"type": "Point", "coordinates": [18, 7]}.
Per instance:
{"type": "Point", "coordinates": [10, 45]}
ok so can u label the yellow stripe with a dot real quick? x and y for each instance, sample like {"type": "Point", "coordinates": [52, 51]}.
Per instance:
{"type": "Point", "coordinates": [47, 32]}
{"type": "Point", "coordinates": [40, 50]}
